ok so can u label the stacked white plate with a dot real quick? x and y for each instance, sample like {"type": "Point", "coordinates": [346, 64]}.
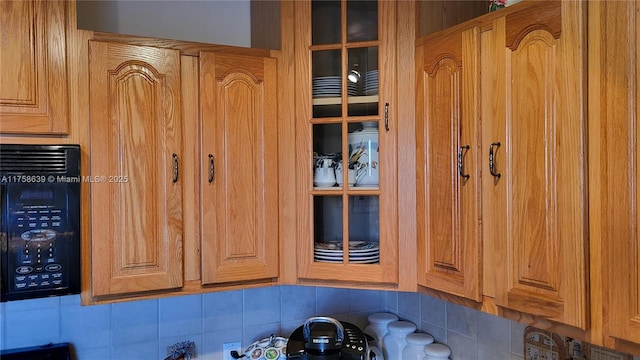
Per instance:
{"type": "Point", "coordinates": [326, 86]}
{"type": "Point", "coordinates": [371, 82]}
{"type": "Point", "coordinates": [360, 252]}
{"type": "Point", "coordinates": [352, 88]}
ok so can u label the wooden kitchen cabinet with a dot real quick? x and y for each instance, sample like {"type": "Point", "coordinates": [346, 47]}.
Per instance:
{"type": "Point", "coordinates": [239, 168]}
{"type": "Point", "coordinates": [135, 169]}
{"type": "Point", "coordinates": [526, 133]}
{"type": "Point", "coordinates": [347, 228]}
{"type": "Point", "coordinates": [614, 111]}
{"type": "Point", "coordinates": [34, 96]}
{"type": "Point", "coordinates": [448, 173]}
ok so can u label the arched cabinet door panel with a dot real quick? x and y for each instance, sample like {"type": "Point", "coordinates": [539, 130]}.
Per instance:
{"type": "Point", "coordinates": [449, 246]}
{"type": "Point", "coordinates": [240, 166]}
{"type": "Point", "coordinates": [136, 190]}
{"type": "Point", "coordinates": [536, 141]}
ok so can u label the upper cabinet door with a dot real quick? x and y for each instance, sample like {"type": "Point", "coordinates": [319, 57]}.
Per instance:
{"type": "Point", "coordinates": [239, 168]}
{"type": "Point", "coordinates": [534, 139]}
{"type": "Point", "coordinates": [614, 155]}
{"type": "Point", "coordinates": [346, 141]}
{"type": "Point", "coordinates": [33, 72]}
{"type": "Point", "coordinates": [136, 191]}
{"type": "Point", "coordinates": [449, 246]}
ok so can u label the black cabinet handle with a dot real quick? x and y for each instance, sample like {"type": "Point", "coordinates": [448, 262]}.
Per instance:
{"type": "Point", "coordinates": [386, 117]}
{"type": "Point", "coordinates": [492, 165]}
{"type": "Point", "coordinates": [462, 151]}
{"type": "Point", "coordinates": [211, 168]}
{"type": "Point", "coordinates": [175, 167]}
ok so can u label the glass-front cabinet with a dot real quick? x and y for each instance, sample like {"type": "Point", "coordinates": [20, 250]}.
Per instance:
{"type": "Point", "coordinates": [346, 136]}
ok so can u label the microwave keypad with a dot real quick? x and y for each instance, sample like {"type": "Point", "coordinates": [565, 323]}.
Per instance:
{"type": "Point", "coordinates": [36, 265]}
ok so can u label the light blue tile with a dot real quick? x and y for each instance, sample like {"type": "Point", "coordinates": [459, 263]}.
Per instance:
{"type": "Point", "coordinates": [392, 302]}
{"type": "Point", "coordinates": [222, 310]}
{"type": "Point", "coordinates": [86, 327]}
{"type": "Point", "coordinates": [409, 304]}
{"type": "Point", "coordinates": [461, 319]}
{"type": "Point", "coordinates": [70, 300]}
{"type": "Point", "coordinates": [180, 316]}
{"type": "Point", "coordinates": [438, 333]}
{"type": "Point", "coordinates": [433, 310]}
{"type": "Point", "coordinates": [366, 300]}
{"type": "Point", "coordinates": [135, 322]}
{"type": "Point", "coordinates": [493, 332]}
{"type": "Point", "coordinates": [517, 338]}
{"type": "Point", "coordinates": [462, 347]}
{"type": "Point", "coordinates": [139, 351]}
{"type": "Point", "coordinates": [33, 327]}
{"type": "Point", "coordinates": [332, 301]}
{"type": "Point", "coordinates": [2, 325]}
{"type": "Point", "coordinates": [33, 304]}
{"type": "Point", "coordinates": [255, 333]}
{"type": "Point", "coordinates": [102, 353]}
{"type": "Point", "coordinates": [487, 352]}
{"type": "Point", "coordinates": [261, 306]}
{"type": "Point", "coordinates": [298, 303]}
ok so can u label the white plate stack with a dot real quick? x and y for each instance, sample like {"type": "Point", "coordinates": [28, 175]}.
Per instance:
{"type": "Point", "coordinates": [360, 252]}
{"type": "Point", "coordinates": [326, 86]}
{"type": "Point", "coordinates": [371, 82]}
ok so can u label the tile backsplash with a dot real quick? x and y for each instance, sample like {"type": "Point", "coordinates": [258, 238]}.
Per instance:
{"type": "Point", "coordinates": [144, 329]}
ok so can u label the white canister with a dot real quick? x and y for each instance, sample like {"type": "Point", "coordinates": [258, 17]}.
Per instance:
{"type": "Point", "coordinates": [377, 327]}
{"type": "Point", "coordinates": [396, 338]}
{"type": "Point", "coordinates": [414, 350]}
{"type": "Point", "coordinates": [436, 351]}
{"type": "Point", "coordinates": [363, 144]}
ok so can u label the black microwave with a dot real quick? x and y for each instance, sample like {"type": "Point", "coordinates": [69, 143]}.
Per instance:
{"type": "Point", "coordinates": [39, 220]}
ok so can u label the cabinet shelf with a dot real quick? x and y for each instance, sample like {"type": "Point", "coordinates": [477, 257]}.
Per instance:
{"type": "Point", "coordinates": [337, 100]}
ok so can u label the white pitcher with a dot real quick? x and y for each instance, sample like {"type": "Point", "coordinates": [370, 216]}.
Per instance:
{"type": "Point", "coordinates": [324, 173]}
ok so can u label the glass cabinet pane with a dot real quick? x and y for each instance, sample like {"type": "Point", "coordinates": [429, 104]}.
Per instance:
{"type": "Point", "coordinates": [362, 81]}
{"type": "Point", "coordinates": [364, 152]}
{"type": "Point", "coordinates": [325, 22]}
{"type": "Point", "coordinates": [327, 153]}
{"type": "Point", "coordinates": [364, 229]}
{"type": "Point", "coordinates": [328, 222]}
{"type": "Point", "coordinates": [326, 83]}
{"type": "Point", "coordinates": [362, 21]}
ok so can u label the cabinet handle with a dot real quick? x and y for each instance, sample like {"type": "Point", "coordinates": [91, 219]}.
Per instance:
{"type": "Point", "coordinates": [492, 165]}
{"type": "Point", "coordinates": [386, 117]}
{"type": "Point", "coordinates": [462, 151]}
{"type": "Point", "coordinates": [211, 168]}
{"type": "Point", "coordinates": [175, 167]}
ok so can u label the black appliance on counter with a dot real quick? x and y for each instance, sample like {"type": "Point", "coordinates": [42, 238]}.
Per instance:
{"type": "Point", "coordinates": [39, 220]}
{"type": "Point", "coordinates": [325, 338]}
{"type": "Point", "coordinates": [61, 351]}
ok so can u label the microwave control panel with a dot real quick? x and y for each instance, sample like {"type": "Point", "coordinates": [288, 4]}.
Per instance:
{"type": "Point", "coordinates": [38, 260]}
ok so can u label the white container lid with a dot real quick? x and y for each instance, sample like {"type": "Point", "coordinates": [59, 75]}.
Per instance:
{"type": "Point", "coordinates": [401, 326]}
{"type": "Point", "coordinates": [419, 339]}
{"type": "Point", "coordinates": [437, 350]}
{"type": "Point", "coordinates": [382, 318]}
